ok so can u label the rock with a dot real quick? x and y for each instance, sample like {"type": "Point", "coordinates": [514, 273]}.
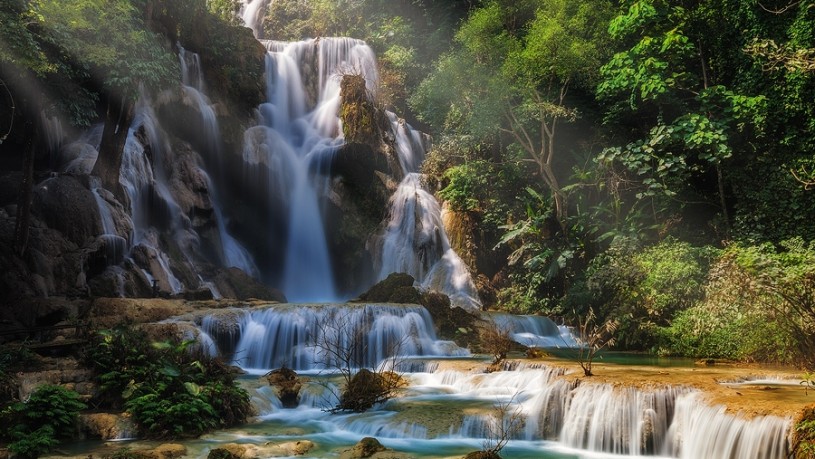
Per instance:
{"type": "Point", "coordinates": [370, 447]}
{"type": "Point", "coordinates": [234, 283]}
{"type": "Point", "coordinates": [357, 111]}
{"type": "Point", "coordinates": [364, 448]}
{"type": "Point", "coordinates": [63, 203]}
{"type": "Point", "coordinates": [106, 426]}
{"type": "Point", "coordinates": [109, 312]}
{"type": "Point", "coordinates": [248, 451]}
{"type": "Point", "coordinates": [228, 451]}
{"type": "Point", "coordinates": [451, 323]}
{"type": "Point", "coordinates": [164, 451]}
{"type": "Point", "coordinates": [483, 455]}
{"type": "Point", "coordinates": [287, 385]}
{"type": "Point", "coordinates": [395, 287]}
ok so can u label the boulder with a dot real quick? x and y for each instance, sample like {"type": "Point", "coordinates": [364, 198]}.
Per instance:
{"type": "Point", "coordinates": [364, 448]}
{"type": "Point", "coordinates": [370, 447]}
{"type": "Point", "coordinates": [63, 203]}
{"type": "Point", "coordinates": [235, 283]}
{"type": "Point", "coordinates": [396, 288]}
{"type": "Point", "coordinates": [248, 451]}
{"type": "Point", "coordinates": [164, 451]}
{"type": "Point", "coordinates": [287, 385]}
{"type": "Point", "coordinates": [106, 426]}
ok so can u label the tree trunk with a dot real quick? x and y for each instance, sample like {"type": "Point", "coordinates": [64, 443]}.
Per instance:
{"type": "Point", "coordinates": [118, 117]}
{"type": "Point", "coordinates": [23, 220]}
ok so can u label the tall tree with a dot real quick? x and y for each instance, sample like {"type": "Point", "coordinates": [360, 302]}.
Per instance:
{"type": "Point", "coordinates": [689, 121]}
{"type": "Point", "coordinates": [110, 40]}
{"type": "Point", "coordinates": [512, 72]}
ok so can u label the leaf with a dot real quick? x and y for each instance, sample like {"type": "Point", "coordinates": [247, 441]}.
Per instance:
{"type": "Point", "coordinates": [193, 388]}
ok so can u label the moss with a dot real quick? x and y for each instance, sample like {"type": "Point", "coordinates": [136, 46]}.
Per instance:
{"type": "Point", "coordinates": [393, 288]}
{"type": "Point", "coordinates": [357, 112]}
{"type": "Point", "coordinates": [803, 435]}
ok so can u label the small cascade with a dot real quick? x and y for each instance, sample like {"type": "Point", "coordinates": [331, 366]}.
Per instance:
{"type": "Point", "coordinates": [252, 13]}
{"type": "Point", "coordinates": [415, 243]}
{"type": "Point", "coordinates": [193, 93]}
{"type": "Point", "coordinates": [327, 337]}
{"type": "Point", "coordinates": [534, 331]}
{"type": "Point", "coordinates": [410, 144]}
{"type": "Point", "coordinates": [700, 430]}
{"type": "Point", "coordinates": [621, 421]}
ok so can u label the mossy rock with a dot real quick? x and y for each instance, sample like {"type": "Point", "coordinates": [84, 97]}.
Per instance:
{"type": "Point", "coordinates": [287, 384]}
{"type": "Point", "coordinates": [357, 112]}
{"type": "Point", "coordinates": [394, 289]}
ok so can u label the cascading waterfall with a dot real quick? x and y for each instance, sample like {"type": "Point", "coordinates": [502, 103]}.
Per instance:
{"type": "Point", "coordinates": [415, 243]}
{"type": "Point", "coordinates": [325, 337]}
{"type": "Point", "coordinates": [252, 14]}
{"type": "Point", "coordinates": [704, 431]}
{"type": "Point", "coordinates": [294, 139]}
{"type": "Point", "coordinates": [534, 331]}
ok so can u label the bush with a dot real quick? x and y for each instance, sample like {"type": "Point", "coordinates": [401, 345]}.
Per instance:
{"type": "Point", "coordinates": [35, 426]}
{"type": "Point", "coordinates": [169, 390]}
{"type": "Point", "coordinates": [767, 291]}
{"type": "Point", "coordinates": [644, 288]}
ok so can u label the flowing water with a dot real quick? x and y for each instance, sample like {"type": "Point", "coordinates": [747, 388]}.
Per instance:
{"type": "Point", "coordinates": [542, 411]}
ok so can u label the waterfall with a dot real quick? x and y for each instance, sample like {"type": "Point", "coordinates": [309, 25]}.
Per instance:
{"type": "Point", "coordinates": [326, 337]}
{"type": "Point", "coordinates": [415, 243]}
{"type": "Point", "coordinates": [704, 431]}
{"type": "Point", "coordinates": [534, 331]}
{"type": "Point", "coordinates": [252, 14]}
{"type": "Point", "coordinates": [286, 155]}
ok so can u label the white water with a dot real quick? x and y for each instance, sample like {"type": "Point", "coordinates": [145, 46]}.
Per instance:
{"type": "Point", "coordinates": [534, 331]}
{"type": "Point", "coordinates": [252, 14]}
{"type": "Point", "coordinates": [325, 337]}
{"type": "Point", "coordinates": [415, 243]}
{"type": "Point", "coordinates": [545, 415]}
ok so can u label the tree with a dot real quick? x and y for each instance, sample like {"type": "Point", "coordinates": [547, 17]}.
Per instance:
{"type": "Point", "coordinates": [690, 122]}
{"type": "Point", "coordinates": [341, 343]}
{"type": "Point", "coordinates": [109, 39]}
{"type": "Point", "coordinates": [512, 73]}
{"type": "Point", "coordinates": [593, 337]}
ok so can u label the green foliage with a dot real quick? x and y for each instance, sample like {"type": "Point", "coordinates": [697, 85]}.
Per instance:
{"type": "Point", "coordinates": [111, 40]}
{"type": "Point", "coordinates": [803, 436]}
{"type": "Point", "coordinates": [35, 426]}
{"type": "Point", "coordinates": [170, 391]}
{"type": "Point", "coordinates": [642, 288]}
{"type": "Point", "coordinates": [808, 381]}
{"type": "Point", "coordinates": [758, 288]}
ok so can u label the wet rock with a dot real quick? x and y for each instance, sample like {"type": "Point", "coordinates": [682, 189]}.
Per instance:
{"type": "Point", "coordinates": [357, 111]}
{"type": "Point", "coordinates": [396, 288]}
{"type": "Point", "coordinates": [234, 283]}
{"type": "Point", "coordinates": [63, 203]}
{"type": "Point", "coordinates": [247, 451]}
{"type": "Point", "coordinates": [287, 384]}
{"type": "Point", "coordinates": [370, 447]}
{"type": "Point", "coordinates": [165, 451]}
{"type": "Point", "coordinates": [453, 323]}
{"type": "Point", "coordinates": [106, 426]}
{"type": "Point", "coordinates": [365, 448]}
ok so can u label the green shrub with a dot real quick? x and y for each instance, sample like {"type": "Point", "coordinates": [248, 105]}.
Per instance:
{"type": "Point", "coordinates": [759, 306]}
{"type": "Point", "coordinates": [35, 426]}
{"type": "Point", "coordinates": [170, 391]}
{"type": "Point", "coordinates": [643, 288]}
